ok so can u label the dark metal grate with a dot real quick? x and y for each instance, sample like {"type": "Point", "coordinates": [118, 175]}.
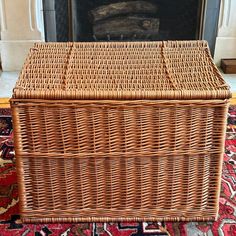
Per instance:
{"type": "Point", "coordinates": [62, 20]}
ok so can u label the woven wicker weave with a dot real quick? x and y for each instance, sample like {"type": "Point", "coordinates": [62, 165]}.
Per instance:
{"type": "Point", "coordinates": [134, 70]}
{"type": "Point", "coordinates": [119, 131]}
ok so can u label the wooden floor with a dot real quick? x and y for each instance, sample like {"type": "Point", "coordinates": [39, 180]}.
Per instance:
{"type": "Point", "coordinates": [4, 102]}
{"type": "Point", "coordinates": [233, 99]}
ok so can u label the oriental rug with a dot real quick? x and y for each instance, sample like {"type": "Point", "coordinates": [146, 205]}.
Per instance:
{"type": "Point", "coordinates": [10, 223]}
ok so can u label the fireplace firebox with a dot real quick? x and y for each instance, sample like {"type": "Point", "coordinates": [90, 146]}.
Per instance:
{"type": "Point", "coordinates": [130, 20]}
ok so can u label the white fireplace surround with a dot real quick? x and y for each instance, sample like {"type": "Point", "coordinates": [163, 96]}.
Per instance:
{"type": "Point", "coordinates": [226, 38]}
{"type": "Point", "coordinates": [22, 25]}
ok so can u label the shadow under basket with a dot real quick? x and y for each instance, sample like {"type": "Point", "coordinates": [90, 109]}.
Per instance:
{"type": "Point", "coordinates": [89, 151]}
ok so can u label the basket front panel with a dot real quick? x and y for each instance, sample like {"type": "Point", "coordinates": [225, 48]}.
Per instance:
{"type": "Point", "coordinates": [143, 186]}
{"type": "Point", "coordinates": [115, 128]}
{"type": "Point", "coordinates": [105, 161]}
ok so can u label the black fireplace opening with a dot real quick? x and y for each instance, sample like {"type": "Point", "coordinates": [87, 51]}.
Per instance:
{"type": "Point", "coordinates": [104, 20]}
{"type": "Point", "coordinates": [130, 20]}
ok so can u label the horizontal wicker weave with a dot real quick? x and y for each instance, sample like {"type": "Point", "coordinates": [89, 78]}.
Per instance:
{"type": "Point", "coordinates": [119, 131]}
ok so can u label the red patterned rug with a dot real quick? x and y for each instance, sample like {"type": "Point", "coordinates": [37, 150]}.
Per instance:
{"type": "Point", "coordinates": [11, 225]}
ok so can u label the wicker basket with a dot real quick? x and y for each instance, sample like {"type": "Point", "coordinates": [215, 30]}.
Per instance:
{"type": "Point", "coordinates": [119, 131]}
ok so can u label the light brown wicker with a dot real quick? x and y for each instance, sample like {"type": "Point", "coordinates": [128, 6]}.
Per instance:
{"type": "Point", "coordinates": [119, 131]}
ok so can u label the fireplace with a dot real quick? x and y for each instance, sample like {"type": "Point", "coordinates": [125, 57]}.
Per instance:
{"type": "Point", "coordinates": [104, 20]}
{"type": "Point", "coordinates": [130, 20]}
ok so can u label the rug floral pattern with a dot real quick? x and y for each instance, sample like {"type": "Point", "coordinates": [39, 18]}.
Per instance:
{"type": "Point", "coordinates": [10, 223]}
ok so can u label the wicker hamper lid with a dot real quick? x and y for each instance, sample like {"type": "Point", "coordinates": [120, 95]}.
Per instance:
{"type": "Point", "coordinates": [121, 70]}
